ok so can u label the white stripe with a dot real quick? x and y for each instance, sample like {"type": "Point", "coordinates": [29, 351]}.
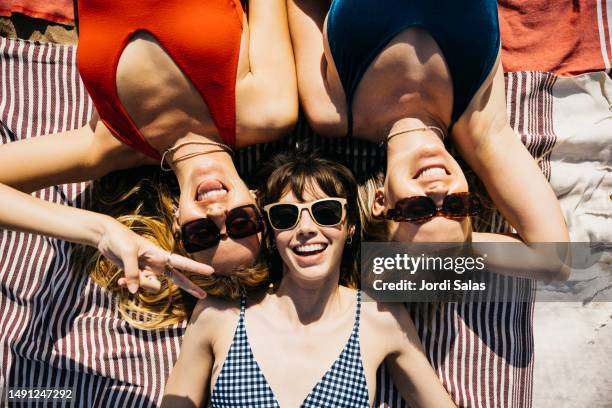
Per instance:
{"type": "Point", "coordinates": [460, 362]}
{"type": "Point", "coordinates": [48, 83]}
{"type": "Point", "coordinates": [65, 101]}
{"type": "Point", "coordinates": [470, 351]}
{"type": "Point", "coordinates": [481, 350]}
{"type": "Point", "coordinates": [506, 402]}
{"type": "Point", "coordinates": [30, 111]}
{"type": "Point", "coordinates": [11, 90]}
{"type": "Point", "coordinates": [447, 345]}
{"type": "Point", "coordinates": [57, 114]}
{"type": "Point", "coordinates": [20, 91]}
{"type": "Point", "coordinates": [39, 114]}
{"type": "Point", "coordinates": [74, 84]}
{"type": "Point", "coordinates": [488, 369]}
{"type": "Point", "coordinates": [3, 67]}
{"type": "Point", "coordinates": [602, 33]}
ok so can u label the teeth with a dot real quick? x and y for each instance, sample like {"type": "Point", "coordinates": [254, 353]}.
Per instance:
{"type": "Point", "coordinates": [212, 193]}
{"type": "Point", "coordinates": [432, 172]}
{"type": "Point", "coordinates": [310, 248]}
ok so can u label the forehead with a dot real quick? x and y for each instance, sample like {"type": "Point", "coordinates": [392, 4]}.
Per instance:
{"type": "Point", "coordinates": [311, 192]}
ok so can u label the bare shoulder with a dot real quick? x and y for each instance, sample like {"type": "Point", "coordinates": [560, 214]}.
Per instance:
{"type": "Point", "coordinates": [385, 318]}
{"type": "Point", "coordinates": [215, 312]}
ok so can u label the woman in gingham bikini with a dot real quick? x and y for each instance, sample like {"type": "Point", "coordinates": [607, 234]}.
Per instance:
{"type": "Point", "coordinates": [288, 347]}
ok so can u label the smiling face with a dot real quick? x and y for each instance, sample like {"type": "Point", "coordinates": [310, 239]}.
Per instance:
{"type": "Point", "coordinates": [210, 188]}
{"type": "Point", "coordinates": [309, 251]}
{"type": "Point", "coordinates": [421, 166]}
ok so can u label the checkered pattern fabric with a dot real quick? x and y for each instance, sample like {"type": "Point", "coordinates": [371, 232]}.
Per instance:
{"type": "Point", "coordinates": [242, 384]}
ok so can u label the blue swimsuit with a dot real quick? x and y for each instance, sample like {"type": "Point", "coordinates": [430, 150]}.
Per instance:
{"type": "Point", "coordinates": [467, 32]}
{"type": "Point", "coordinates": [242, 384]}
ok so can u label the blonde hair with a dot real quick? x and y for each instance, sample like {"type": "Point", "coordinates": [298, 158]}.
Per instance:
{"type": "Point", "coordinates": [378, 230]}
{"type": "Point", "coordinates": [145, 200]}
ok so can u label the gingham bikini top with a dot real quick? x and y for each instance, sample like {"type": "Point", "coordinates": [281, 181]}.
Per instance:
{"type": "Point", "coordinates": [242, 384]}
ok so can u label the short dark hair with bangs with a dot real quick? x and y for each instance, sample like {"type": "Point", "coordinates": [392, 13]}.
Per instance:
{"type": "Point", "coordinates": [299, 171]}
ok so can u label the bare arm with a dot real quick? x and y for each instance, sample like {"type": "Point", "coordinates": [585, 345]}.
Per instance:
{"type": "Point", "coordinates": [188, 384]}
{"type": "Point", "coordinates": [72, 156]}
{"type": "Point", "coordinates": [267, 99]}
{"type": "Point", "coordinates": [409, 368]}
{"type": "Point", "coordinates": [140, 259]}
{"type": "Point", "coordinates": [512, 177]}
{"type": "Point", "coordinates": [324, 108]}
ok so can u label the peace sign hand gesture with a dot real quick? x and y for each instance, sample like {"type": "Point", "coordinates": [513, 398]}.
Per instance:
{"type": "Point", "coordinates": [142, 260]}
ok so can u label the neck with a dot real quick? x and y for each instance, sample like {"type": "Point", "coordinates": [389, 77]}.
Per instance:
{"type": "Point", "coordinates": [198, 160]}
{"type": "Point", "coordinates": [407, 134]}
{"type": "Point", "coordinates": [309, 301]}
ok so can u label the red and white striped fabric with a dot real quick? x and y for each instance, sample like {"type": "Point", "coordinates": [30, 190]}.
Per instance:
{"type": "Point", "coordinates": [57, 328]}
{"type": "Point", "coordinates": [483, 352]}
{"type": "Point", "coordinates": [60, 329]}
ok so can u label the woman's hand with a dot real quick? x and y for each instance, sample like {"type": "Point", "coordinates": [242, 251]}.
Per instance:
{"type": "Point", "coordinates": [142, 260]}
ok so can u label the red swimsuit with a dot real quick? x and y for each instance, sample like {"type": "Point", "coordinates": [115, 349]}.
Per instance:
{"type": "Point", "coordinates": [201, 36]}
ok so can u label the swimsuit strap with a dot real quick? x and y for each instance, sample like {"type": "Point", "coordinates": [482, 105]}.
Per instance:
{"type": "Point", "coordinates": [242, 308]}
{"type": "Point", "coordinates": [357, 312]}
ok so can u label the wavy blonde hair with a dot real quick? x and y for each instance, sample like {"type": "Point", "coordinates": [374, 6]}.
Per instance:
{"type": "Point", "coordinates": [145, 200]}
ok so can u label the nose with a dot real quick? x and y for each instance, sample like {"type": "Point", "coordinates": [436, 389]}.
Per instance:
{"type": "Point", "coordinates": [437, 192]}
{"type": "Point", "coordinates": [217, 213]}
{"type": "Point", "coordinates": [306, 226]}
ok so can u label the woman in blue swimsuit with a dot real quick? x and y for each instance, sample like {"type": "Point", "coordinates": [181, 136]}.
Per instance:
{"type": "Point", "coordinates": [411, 74]}
{"type": "Point", "coordinates": [288, 347]}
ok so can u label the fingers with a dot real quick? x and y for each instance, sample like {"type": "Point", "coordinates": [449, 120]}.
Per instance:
{"type": "Point", "coordinates": [189, 265]}
{"type": "Point", "coordinates": [131, 270]}
{"type": "Point", "coordinates": [148, 281]}
{"type": "Point", "coordinates": [185, 284]}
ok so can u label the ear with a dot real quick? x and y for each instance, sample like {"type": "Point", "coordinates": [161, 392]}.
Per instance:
{"type": "Point", "coordinates": [379, 204]}
{"type": "Point", "coordinates": [351, 231]}
{"type": "Point", "coordinates": [176, 227]}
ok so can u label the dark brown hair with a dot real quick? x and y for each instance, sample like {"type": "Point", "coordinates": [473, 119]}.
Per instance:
{"type": "Point", "coordinates": [301, 171]}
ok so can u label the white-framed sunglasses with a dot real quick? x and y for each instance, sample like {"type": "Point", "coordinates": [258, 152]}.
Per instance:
{"type": "Point", "coordinates": [326, 212]}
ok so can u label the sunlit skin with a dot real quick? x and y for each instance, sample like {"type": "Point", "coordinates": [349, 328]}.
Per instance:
{"type": "Point", "coordinates": [200, 175]}
{"type": "Point", "coordinates": [300, 328]}
{"type": "Point", "coordinates": [302, 270]}
{"type": "Point", "coordinates": [408, 155]}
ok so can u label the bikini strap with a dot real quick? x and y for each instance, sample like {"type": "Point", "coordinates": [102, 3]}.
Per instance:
{"type": "Point", "coordinates": [242, 308]}
{"type": "Point", "coordinates": [357, 311]}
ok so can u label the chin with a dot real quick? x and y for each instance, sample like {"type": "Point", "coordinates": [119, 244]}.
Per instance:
{"type": "Point", "coordinates": [438, 229]}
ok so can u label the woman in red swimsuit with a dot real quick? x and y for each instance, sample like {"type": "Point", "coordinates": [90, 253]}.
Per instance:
{"type": "Point", "coordinates": [189, 81]}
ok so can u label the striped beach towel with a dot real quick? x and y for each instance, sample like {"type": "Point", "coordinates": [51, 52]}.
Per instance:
{"type": "Point", "coordinates": [58, 329]}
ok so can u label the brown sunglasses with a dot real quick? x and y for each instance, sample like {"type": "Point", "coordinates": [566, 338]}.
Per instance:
{"type": "Point", "coordinates": [423, 208]}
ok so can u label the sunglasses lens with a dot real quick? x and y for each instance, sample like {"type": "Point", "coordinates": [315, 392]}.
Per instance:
{"type": "Point", "coordinates": [327, 212]}
{"type": "Point", "coordinates": [199, 235]}
{"type": "Point", "coordinates": [457, 205]}
{"type": "Point", "coordinates": [283, 216]}
{"type": "Point", "coordinates": [415, 208]}
{"type": "Point", "coordinates": [243, 222]}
